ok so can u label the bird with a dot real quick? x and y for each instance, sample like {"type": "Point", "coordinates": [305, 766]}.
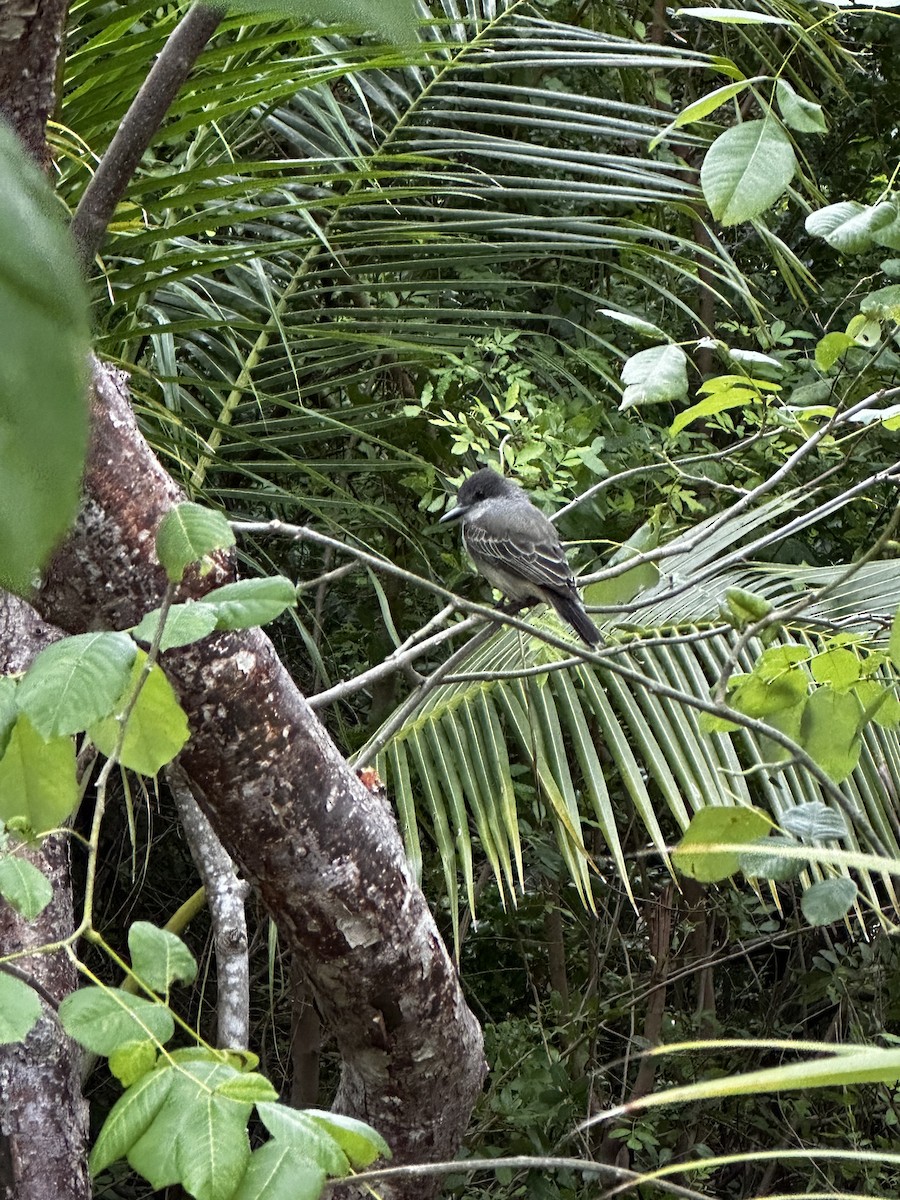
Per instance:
{"type": "Point", "coordinates": [517, 550]}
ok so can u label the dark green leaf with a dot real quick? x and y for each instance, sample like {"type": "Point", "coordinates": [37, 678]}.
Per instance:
{"type": "Point", "coordinates": [767, 863]}
{"type": "Point", "coordinates": [44, 347]}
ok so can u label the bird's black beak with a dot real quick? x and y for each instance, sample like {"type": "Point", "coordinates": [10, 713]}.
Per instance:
{"type": "Point", "coordinates": [454, 514]}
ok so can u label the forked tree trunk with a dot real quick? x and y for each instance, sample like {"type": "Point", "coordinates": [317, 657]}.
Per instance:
{"type": "Point", "coordinates": [324, 852]}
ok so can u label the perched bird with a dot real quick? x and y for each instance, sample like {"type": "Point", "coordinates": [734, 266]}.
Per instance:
{"type": "Point", "coordinates": [516, 548]}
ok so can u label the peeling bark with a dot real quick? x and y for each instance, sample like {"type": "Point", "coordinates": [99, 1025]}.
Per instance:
{"type": "Point", "coordinates": [324, 852]}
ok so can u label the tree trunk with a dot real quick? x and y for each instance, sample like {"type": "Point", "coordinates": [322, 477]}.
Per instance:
{"type": "Point", "coordinates": [43, 1119]}
{"type": "Point", "coordinates": [324, 852]}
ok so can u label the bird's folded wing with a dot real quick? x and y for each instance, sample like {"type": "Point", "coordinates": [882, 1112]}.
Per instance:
{"type": "Point", "coordinates": [536, 560]}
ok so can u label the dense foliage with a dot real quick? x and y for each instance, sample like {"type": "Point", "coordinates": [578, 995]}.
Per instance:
{"type": "Point", "coordinates": [347, 274]}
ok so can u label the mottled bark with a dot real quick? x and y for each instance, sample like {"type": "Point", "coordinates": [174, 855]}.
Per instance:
{"type": "Point", "coordinates": [324, 852]}
{"type": "Point", "coordinates": [31, 33]}
{"type": "Point", "coordinates": [225, 896]}
{"type": "Point", "coordinates": [43, 1119]}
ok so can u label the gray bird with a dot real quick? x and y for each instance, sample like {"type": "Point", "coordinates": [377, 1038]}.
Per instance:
{"type": "Point", "coordinates": [516, 548]}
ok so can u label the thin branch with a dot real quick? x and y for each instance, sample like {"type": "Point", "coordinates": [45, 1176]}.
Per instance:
{"type": "Point", "coordinates": [520, 1163]}
{"type": "Point", "coordinates": [139, 126]}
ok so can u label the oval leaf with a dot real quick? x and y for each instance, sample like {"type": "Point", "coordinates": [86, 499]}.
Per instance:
{"type": "Point", "coordinates": [185, 624]}
{"type": "Point", "coordinates": [653, 376]}
{"type": "Point", "coordinates": [798, 112]}
{"type": "Point", "coordinates": [103, 1019]}
{"type": "Point", "coordinates": [251, 602]}
{"type": "Point", "coordinates": [717, 827]}
{"type": "Point", "coordinates": [44, 348]}
{"type": "Point", "coordinates": [23, 886]}
{"type": "Point", "coordinates": [746, 169]}
{"type": "Point", "coordinates": [828, 900]}
{"type": "Point", "coordinates": [814, 822]}
{"type": "Point", "coordinates": [159, 957]}
{"type": "Point", "coordinates": [76, 681]}
{"type": "Point", "coordinates": [20, 1009]}
{"type": "Point", "coordinates": [187, 534]}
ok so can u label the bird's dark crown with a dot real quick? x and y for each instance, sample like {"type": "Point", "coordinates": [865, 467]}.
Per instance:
{"type": "Point", "coordinates": [486, 484]}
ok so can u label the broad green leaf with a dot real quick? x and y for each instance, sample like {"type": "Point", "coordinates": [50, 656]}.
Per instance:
{"type": "Point", "coordinates": [102, 1019]}
{"type": "Point", "coordinates": [712, 100]}
{"type": "Point", "coordinates": [20, 1009]}
{"type": "Point", "coordinates": [44, 348]}
{"type": "Point", "coordinates": [185, 624]}
{"type": "Point", "coordinates": [360, 1142]}
{"type": "Point", "coordinates": [732, 16]}
{"type": "Point", "coordinates": [187, 534]}
{"type": "Point", "coordinates": [23, 886]}
{"type": "Point", "coordinates": [829, 731]}
{"type": "Point", "coordinates": [846, 226]}
{"type": "Point", "coordinates": [197, 1137]}
{"type": "Point", "coordinates": [159, 957]}
{"type": "Point", "coordinates": [251, 602]}
{"type": "Point", "coordinates": [829, 900]}
{"type": "Point", "coordinates": [275, 1172]}
{"type": "Point", "coordinates": [756, 696]}
{"type": "Point", "coordinates": [746, 169]}
{"type": "Point", "coordinates": [76, 681]}
{"type": "Point", "coordinates": [814, 821]}
{"type": "Point", "coordinates": [840, 668]}
{"type": "Point", "coordinates": [830, 348]}
{"type": "Point", "coordinates": [653, 376]}
{"type": "Point", "coordinates": [710, 405]}
{"type": "Point", "coordinates": [307, 1137]}
{"type": "Point", "coordinates": [879, 703]}
{"type": "Point", "coordinates": [396, 20]}
{"type": "Point", "coordinates": [130, 1117]}
{"type": "Point", "coordinates": [883, 304]}
{"type": "Point", "coordinates": [132, 1061]}
{"type": "Point", "coordinates": [8, 710]}
{"type": "Point", "coordinates": [717, 827]}
{"type": "Point", "coordinates": [37, 778]}
{"type": "Point", "coordinates": [797, 112]}
{"type": "Point", "coordinates": [768, 863]}
{"type": "Point", "coordinates": [157, 729]}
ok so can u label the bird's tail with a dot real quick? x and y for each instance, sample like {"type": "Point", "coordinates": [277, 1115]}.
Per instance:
{"type": "Point", "coordinates": [571, 609]}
